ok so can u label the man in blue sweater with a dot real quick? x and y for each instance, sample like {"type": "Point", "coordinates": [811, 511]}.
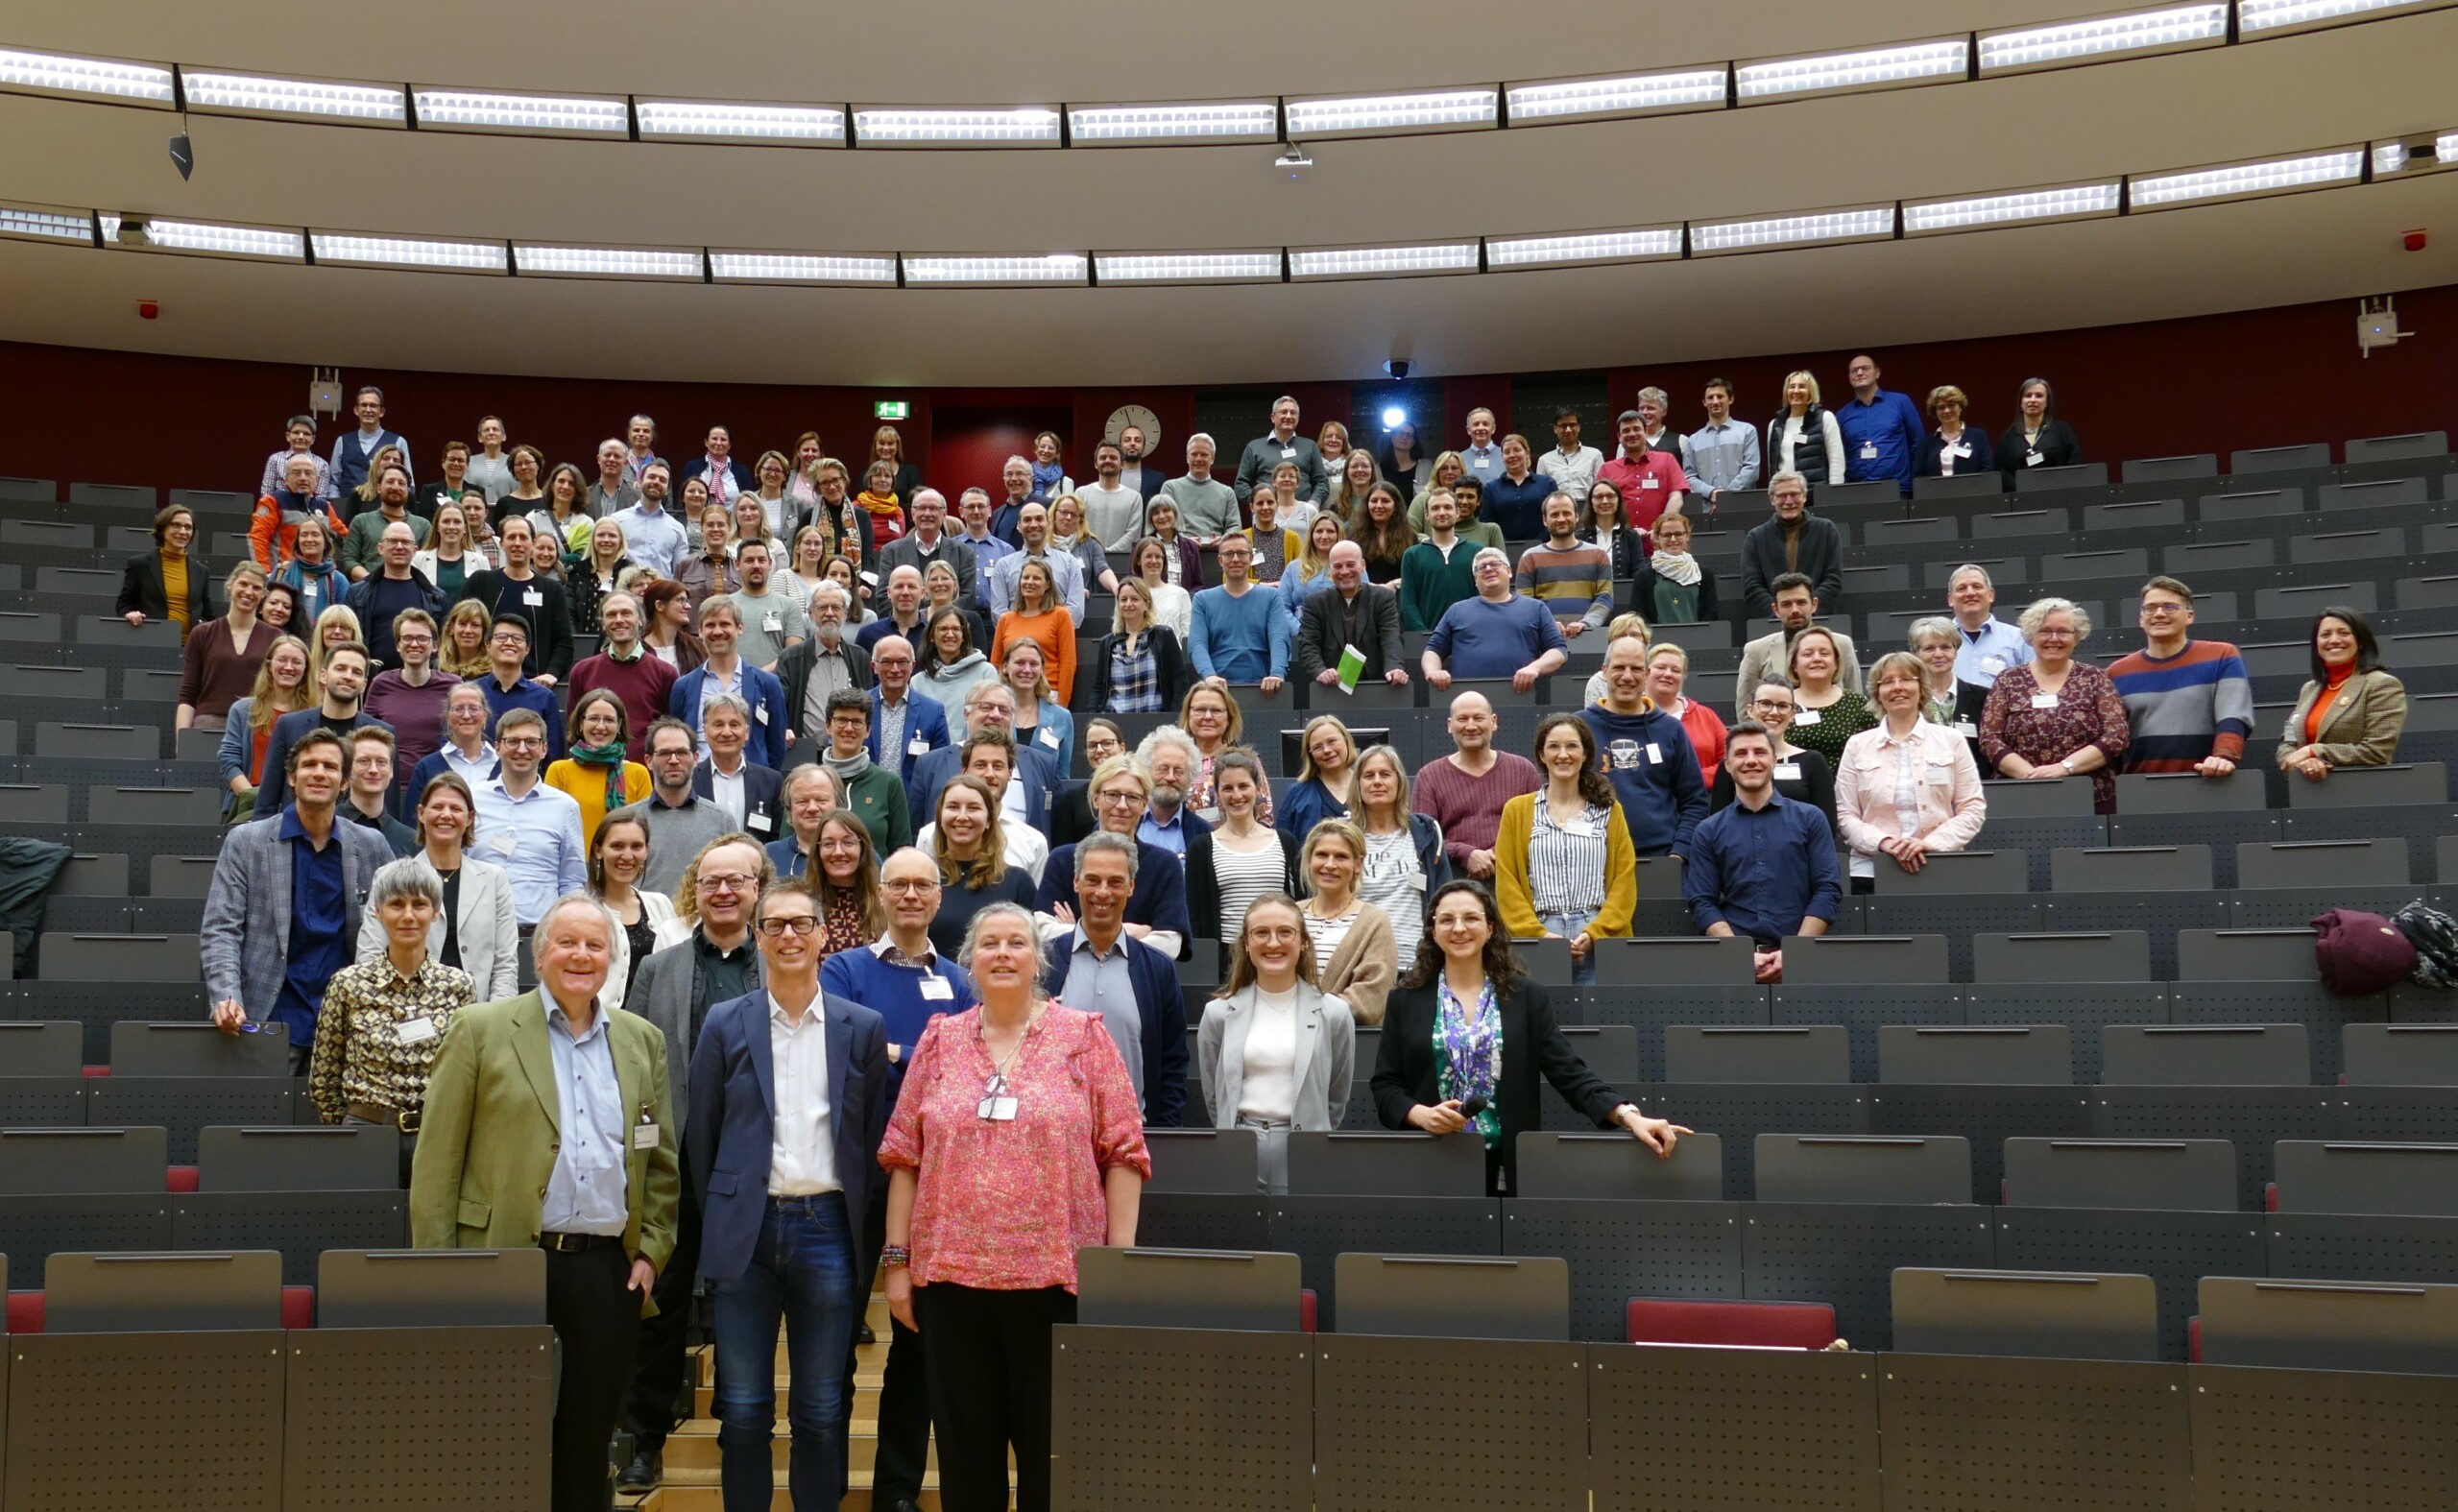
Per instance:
{"type": "Point", "coordinates": [1239, 633]}
{"type": "Point", "coordinates": [909, 984]}
{"type": "Point", "coordinates": [1648, 755]}
{"type": "Point", "coordinates": [1497, 634]}
{"type": "Point", "coordinates": [1882, 429]}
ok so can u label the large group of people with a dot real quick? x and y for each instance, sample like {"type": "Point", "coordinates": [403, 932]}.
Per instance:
{"type": "Point", "coordinates": [839, 974]}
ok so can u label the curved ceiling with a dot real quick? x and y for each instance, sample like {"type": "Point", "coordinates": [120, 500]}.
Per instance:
{"type": "Point", "coordinates": [2295, 94]}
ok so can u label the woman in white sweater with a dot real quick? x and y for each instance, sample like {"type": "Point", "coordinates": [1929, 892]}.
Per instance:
{"type": "Point", "coordinates": [1275, 1052]}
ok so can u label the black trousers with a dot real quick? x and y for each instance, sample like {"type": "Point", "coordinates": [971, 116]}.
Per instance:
{"type": "Point", "coordinates": [989, 1355]}
{"type": "Point", "coordinates": [597, 1321]}
{"type": "Point", "coordinates": [904, 1388]}
{"type": "Point", "coordinates": [655, 1368]}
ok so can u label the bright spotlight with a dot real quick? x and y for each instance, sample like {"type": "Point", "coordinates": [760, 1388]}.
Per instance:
{"type": "Point", "coordinates": [1394, 416]}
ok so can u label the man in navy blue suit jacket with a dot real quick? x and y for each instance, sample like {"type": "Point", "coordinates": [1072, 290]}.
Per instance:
{"type": "Point", "coordinates": [782, 1195]}
{"type": "Point", "coordinates": [1097, 967]}
{"type": "Point", "coordinates": [991, 706]}
{"type": "Point", "coordinates": [924, 728]}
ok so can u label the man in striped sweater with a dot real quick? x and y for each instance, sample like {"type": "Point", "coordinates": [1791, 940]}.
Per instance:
{"type": "Point", "coordinates": [1573, 577]}
{"type": "Point", "coordinates": [2190, 702]}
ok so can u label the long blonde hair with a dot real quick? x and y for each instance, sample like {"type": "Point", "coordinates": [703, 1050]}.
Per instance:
{"type": "Point", "coordinates": [333, 614]}
{"type": "Point", "coordinates": [449, 655]}
{"type": "Point", "coordinates": [1241, 970]}
{"type": "Point", "coordinates": [264, 705]}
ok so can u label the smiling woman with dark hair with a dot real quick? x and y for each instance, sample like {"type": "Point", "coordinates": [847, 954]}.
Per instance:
{"type": "Point", "coordinates": [2351, 713]}
{"type": "Point", "coordinates": [2038, 437]}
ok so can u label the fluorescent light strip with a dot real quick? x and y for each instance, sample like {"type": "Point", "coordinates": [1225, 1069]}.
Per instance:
{"type": "Point", "coordinates": [1793, 230]}
{"type": "Point", "coordinates": [2389, 157]}
{"type": "Point", "coordinates": [1382, 262]}
{"type": "Point", "coordinates": [2444, 148]}
{"type": "Point", "coordinates": [1594, 99]}
{"type": "Point", "coordinates": [718, 121]}
{"type": "Point", "coordinates": [1357, 115]}
{"type": "Point", "coordinates": [1261, 266]}
{"type": "Point", "coordinates": [106, 77]}
{"type": "Point", "coordinates": [227, 241]}
{"type": "Point", "coordinates": [2092, 42]}
{"type": "Point", "coordinates": [898, 127]}
{"type": "Point", "coordinates": [1878, 68]}
{"type": "Point", "coordinates": [605, 262]}
{"type": "Point", "coordinates": [2259, 17]}
{"type": "Point", "coordinates": [1055, 268]}
{"type": "Point", "coordinates": [1537, 251]}
{"type": "Point", "coordinates": [1217, 121]}
{"type": "Point", "coordinates": [34, 223]}
{"type": "Point", "coordinates": [2072, 202]}
{"type": "Point", "coordinates": [251, 94]}
{"type": "Point", "coordinates": [410, 252]}
{"type": "Point", "coordinates": [463, 110]}
{"type": "Point", "coordinates": [2283, 176]}
{"type": "Point", "coordinates": [801, 268]}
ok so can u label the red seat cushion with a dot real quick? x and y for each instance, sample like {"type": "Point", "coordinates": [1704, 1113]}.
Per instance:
{"type": "Point", "coordinates": [95, 1071]}
{"type": "Point", "coordinates": [1306, 1309]}
{"type": "Point", "coordinates": [25, 1313]}
{"type": "Point", "coordinates": [2193, 1338]}
{"type": "Point", "coordinates": [1780, 1325]}
{"type": "Point", "coordinates": [180, 1179]}
{"type": "Point", "coordinates": [297, 1307]}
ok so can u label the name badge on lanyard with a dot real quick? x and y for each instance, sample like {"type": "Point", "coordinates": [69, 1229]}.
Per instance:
{"type": "Point", "coordinates": [2043, 701]}
{"type": "Point", "coordinates": [1869, 451]}
{"type": "Point", "coordinates": [998, 1105]}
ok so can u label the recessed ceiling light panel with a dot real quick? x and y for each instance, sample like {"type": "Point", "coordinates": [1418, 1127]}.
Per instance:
{"type": "Point", "coordinates": [1844, 73]}
{"type": "Point", "coordinates": [1604, 99]}
{"type": "Point", "coordinates": [1161, 125]}
{"type": "Point", "coordinates": [814, 268]}
{"type": "Point", "coordinates": [2256, 19]}
{"type": "Point", "coordinates": [1408, 261]}
{"type": "Point", "coordinates": [410, 252]}
{"type": "Point", "coordinates": [92, 78]}
{"type": "Point", "coordinates": [42, 223]}
{"type": "Point", "coordinates": [2099, 39]}
{"type": "Point", "coordinates": [1392, 115]}
{"type": "Point", "coordinates": [2024, 206]}
{"type": "Point", "coordinates": [297, 99]}
{"type": "Point", "coordinates": [726, 121]}
{"type": "Point", "coordinates": [897, 126]}
{"type": "Point", "coordinates": [653, 263]}
{"type": "Point", "coordinates": [521, 114]}
{"type": "Point", "coordinates": [1870, 222]}
{"type": "Point", "coordinates": [1570, 249]}
{"type": "Point", "coordinates": [995, 271]}
{"type": "Point", "coordinates": [1260, 264]}
{"type": "Point", "coordinates": [2246, 180]}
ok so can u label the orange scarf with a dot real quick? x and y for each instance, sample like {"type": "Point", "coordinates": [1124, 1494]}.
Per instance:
{"type": "Point", "coordinates": [878, 503]}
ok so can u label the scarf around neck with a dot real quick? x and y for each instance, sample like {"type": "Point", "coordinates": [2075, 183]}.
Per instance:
{"type": "Point", "coordinates": [608, 755]}
{"type": "Point", "coordinates": [1679, 565]}
{"type": "Point", "coordinates": [848, 768]}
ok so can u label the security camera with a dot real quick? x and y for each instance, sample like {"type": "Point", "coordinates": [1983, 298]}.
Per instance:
{"type": "Point", "coordinates": [1293, 163]}
{"type": "Point", "coordinates": [1398, 367]}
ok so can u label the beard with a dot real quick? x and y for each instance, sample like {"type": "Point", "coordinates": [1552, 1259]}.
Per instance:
{"type": "Point", "coordinates": [1165, 796]}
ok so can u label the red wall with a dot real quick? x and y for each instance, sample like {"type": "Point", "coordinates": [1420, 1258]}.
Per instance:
{"type": "Point", "coordinates": [2207, 384]}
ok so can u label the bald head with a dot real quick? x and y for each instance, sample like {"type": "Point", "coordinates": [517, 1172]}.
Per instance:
{"type": "Point", "coordinates": [1471, 727]}
{"type": "Point", "coordinates": [1348, 567]}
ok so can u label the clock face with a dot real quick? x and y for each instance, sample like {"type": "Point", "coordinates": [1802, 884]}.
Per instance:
{"type": "Point", "coordinates": [1143, 420]}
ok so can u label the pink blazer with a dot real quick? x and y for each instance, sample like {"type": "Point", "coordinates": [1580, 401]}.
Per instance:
{"type": "Point", "coordinates": [1952, 808]}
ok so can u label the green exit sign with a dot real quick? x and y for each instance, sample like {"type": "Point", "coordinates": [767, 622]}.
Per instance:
{"type": "Point", "coordinates": [892, 409]}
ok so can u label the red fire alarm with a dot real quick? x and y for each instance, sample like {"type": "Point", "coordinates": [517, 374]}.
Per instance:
{"type": "Point", "coordinates": [147, 310]}
{"type": "Point", "coordinates": [2415, 240]}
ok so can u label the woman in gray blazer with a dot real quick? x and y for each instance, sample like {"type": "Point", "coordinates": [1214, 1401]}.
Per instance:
{"type": "Point", "coordinates": [1275, 1051]}
{"type": "Point", "coordinates": [484, 930]}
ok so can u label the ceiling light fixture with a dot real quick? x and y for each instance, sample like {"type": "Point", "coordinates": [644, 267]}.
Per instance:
{"type": "Point", "coordinates": [1259, 265]}
{"type": "Point", "coordinates": [1152, 124]}
{"type": "Point", "coordinates": [2069, 42]}
{"type": "Point", "coordinates": [1409, 261]}
{"type": "Point", "coordinates": [2278, 18]}
{"type": "Point", "coordinates": [521, 114]}
{"type": "Point", "coordinates": [1392, 115]}
{"type": "Point", "coordinates": [102, 78]}
{"type": "Point", "coordinates": [990, 272]}
{"type": "Point", "coordinates": [1871, 223]}
{"type": "Point", "coordinates": [899, 126]}
{"type": "Point", "coordinates": [2070, 202]}
{"type": "Point", "coordinates": [207, 239]}
{"type": "Point", "coordinates": [1603, 99]}
{"type": "Point", "coordinates": [532, 261]}
{"type": "Point", "coordinates": [46, 224]}
{"type": "Point", "coordinates": [409, 252]}
{"type": "Point", "coordinates": [1841, 72]}
{"type": "Point", "coordinates": [299, 99]}
{"type": "Point", "coordinates": [2246, 180]}
{"type": "Point", "coordinates": [810, 268]}
{"type": "Point", "coordinates": [727, 121]}
{"type": "Point", "coordinates": [1570, 249]}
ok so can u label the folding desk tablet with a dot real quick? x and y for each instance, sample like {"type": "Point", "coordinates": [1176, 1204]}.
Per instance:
{"type": "Point", "coordinates": [2318, 1325]}
{"type": "Point", "coordinates": [2066, 958]}
{"type": "Point", "coordinates": [2322, 863]}
{"type": "Point", "coordinates": [1456, 1297]}
{"type": "Point", "coordinates": [1605, 1166]}
{"type": "Point", "coordinates": [2245, 955]}
{"type": "Point", "coordinates": [2031, 1315]}
{"type": "Point", "coordinates": [1951, 874]}
{"type": "Point", "coordinates": [161, 1293]}
{"type": "Point", "coordinates": [1158, 1288]}
{"type": "Point", "coordinates": [1762, 1053]}
{"type": "Point", "coordinates": [1863, 1010]}
{"type": "Point", "coordinates": [2390, 1180]}
{"type": "Point", "coordinates": [141, 1048]}
{"type": "Point", "coordinates": [2205, 1055]}
{"type": "Point", "coordinates": [2050, 798]}
{"type": "Point", "coordinates": [1386, 1164]}
{"type": "Point", "coordinates": [1202, 1161]}
{"type": "Point", "coordinates": [1967, 1054]}
{"type": "Point", "coordinates": [1900, 1169]}
{"type": "Point", "coordinates": [1858, 959]}
{"type": "Point", "coordinates": [2370, 787]}
{"type": "Point", "coordinates": [2400, 1054]}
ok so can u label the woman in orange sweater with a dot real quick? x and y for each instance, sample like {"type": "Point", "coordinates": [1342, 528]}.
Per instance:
{"type": "Point", "coordinates": [1039, 616]}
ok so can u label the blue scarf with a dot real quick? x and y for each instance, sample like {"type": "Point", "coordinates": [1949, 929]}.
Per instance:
{"type": "Point", "coordinates": [1047, 477]}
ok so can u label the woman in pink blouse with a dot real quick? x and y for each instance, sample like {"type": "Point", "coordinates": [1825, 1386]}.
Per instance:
{"type": "Point", "coordinates": [1907, 787]}
{"type": "Point", "coordinates": [1017, 1140]}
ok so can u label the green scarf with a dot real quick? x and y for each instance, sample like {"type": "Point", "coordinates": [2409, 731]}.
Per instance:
{"type": "Point", "coordinates": [611, 757]}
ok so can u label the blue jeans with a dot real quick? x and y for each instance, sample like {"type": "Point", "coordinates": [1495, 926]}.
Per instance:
{"type": "Point", "coordinates": [1570, 926]}
{"type": "Point", "coordinates": [803, 1271]}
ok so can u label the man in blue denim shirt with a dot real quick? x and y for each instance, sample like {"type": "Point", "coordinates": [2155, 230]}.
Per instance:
{"type": "Point", "coordinates": [1765, 867]}
{"type": "Point", "coordinates": [1882, 429]}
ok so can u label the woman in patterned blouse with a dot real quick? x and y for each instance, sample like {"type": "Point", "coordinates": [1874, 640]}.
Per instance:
{"type": "Point", "coordinates": [1016, 1142]}
{"type": "Point", "coordinates": [847, 882]}
{"type": "Point", "coordinates": [1825, 713]}
{"type": "Point", "coordinates": [2056, 717]}
{"type": "Point", "coordinates": [383, 1020]}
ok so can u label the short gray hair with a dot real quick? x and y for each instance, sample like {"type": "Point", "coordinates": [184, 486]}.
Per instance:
{"type": "Point", "coordinates": [830, 588]}
{"type": "Point", "coordinates": [1171, 735]}
{"type": "Point", "coordinates": [1657, 394]}
{"type": "Point", "coordinates": [1205, 437]}
{"type": "Point", "coordinates": [1495, 552]}
{"type": "Point", "coordinates": [2041, 607]}
{"type": "Point", "coordinates": [1935, 627]}
{"type": "Point", "coordinates": [410, 876]}
{"type": "Point", "coordinates": [715, 601]}
{"type": "Point", "coordinates": [720, 701]}
{"type": "Point", "coordinates": [547, 921]}
{"type": "Point", "coordinates": [1787, 476]}
{"type": "Point", "coordinates": [1101, 842]}
{"type": "Point", "coordinates": [1956, 576]}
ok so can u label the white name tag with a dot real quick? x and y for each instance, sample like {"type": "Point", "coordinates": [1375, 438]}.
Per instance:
{"type": "Point", "coordinates": [1649, 482]}
{"type": "Point", "coordinates": [1048, 737]}
{"type": "Point", "coordinates": [534, 598]}
{"type": "Point", "coordinates": [1287, 454]}
{"type": "Point", "coordinates": [1579, 827]}
{"type": "Point", "coordinates": [1806, 716]}
{"type": "Point", "coordinates": [2043, 701]}
{"type": "Point", "coordinates": [937, 990]}
{"type": "Point", "coordinates": [503, 843]}
{"type": "Point", "coordinates": [1958, 449]}
{"type": "Point", "coordinates": [759, 711]}
{"type": "Point", "coordinates": [2032, 459]}
{"type": "Point", "coordinates": [1788, 771]}
{"type": "Point", "coordinates": [1868, 451]}
{"type": "Point", "coordinates": [773, 624]}
{"type": "Point", "coordinates": [1966, 729]}
{"type": "Point", "coordinates": [1992, 665]}
{"type": "Point", "coordinates": [998, 1110]}
{"type": "Point", "coordinates": [416, 1031]}
{"type": "Point", "coordinates": [1656, 754]}
{"type": "Point", "coordinates": [644, 1136]}
{"type": "Point", "coordinates": [758, 821]}
{"type": "Point", "coordinates": [917, 746]}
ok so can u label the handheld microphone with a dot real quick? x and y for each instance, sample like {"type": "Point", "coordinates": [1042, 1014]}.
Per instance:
{"type": "Point", "coordinates": [1471, 1107]}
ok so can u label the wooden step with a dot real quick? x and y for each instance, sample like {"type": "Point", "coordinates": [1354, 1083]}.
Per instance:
{"type": "Point", "coordinates": [694, 1446]}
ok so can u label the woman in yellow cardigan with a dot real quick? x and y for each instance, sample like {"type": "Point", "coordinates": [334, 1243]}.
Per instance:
{"type": "Point", "coordinates": [2352, 713]}
{"type": "Point", "coordinates": [595, 773]}
{"type": "Point", "coordinates": [1563, 864]}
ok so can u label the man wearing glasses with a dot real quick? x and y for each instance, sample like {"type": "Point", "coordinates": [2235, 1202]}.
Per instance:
{"type": "Point", "coordinates": [507, 689]}
{"type": "Point", "coordinates": [2190, 703]}
{"type": "Point", "coordinates": [676, 990]}
{"type": "Point", "coordinates": [1156, 907]}
{"type": "Point", "coordinates": [527, 828]}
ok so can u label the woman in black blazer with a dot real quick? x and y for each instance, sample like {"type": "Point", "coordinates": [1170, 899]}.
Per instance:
{"type": "Point", "coordinates": [141, 593]}
{"type": "Point", "coordinates": [1170, 675]}
{"type": "Point", "coordinates": [2038, 437]}
{"type": "Point", "coordinates": [1498, 1035]}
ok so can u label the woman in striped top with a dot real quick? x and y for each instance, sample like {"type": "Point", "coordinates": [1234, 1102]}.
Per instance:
{"type": "Point", "coordinates": [1240, 858]}
{"type": "Point", "coordinates": [1353, 944]}
{"type": "Point", "coordinates": [1563, 864]}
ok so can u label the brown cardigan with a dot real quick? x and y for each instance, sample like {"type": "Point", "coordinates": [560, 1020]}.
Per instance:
{"type": "Point", "coordinates": [1367, 963]}
{"type": "Point", "coordinates": [2362, 725]}
{"type": "Point", "coordinates": [212, 676]}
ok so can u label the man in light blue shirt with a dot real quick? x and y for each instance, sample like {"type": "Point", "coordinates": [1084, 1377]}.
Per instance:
{"type": "Point", "coordinates": [1066, 574]}
{"type": "Point", "coordinates": [973, 509]}
{"type": "Point", "coordinates": [1497, 634]}
{"type": "Point", "coordinates": [1882, 429]}
{"type": "Point", "coordinates": [653, 538]}
{"type": "Point", "coordinates": [1723, 452]}
{"type": "Point", "coordinates": [527, 828]}
{"type": "Point", "coordinates": [1238, 633]}
{"type": "Point", "coordinates": [1989, 645]}
{"type": "Point", "coordinates": [1482, 457]}
{"type": "Point", "coordinates": [585, 1192]}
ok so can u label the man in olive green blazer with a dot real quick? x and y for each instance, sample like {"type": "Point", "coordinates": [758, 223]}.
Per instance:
{"type": "Point", "coordinates": [548, 1124]}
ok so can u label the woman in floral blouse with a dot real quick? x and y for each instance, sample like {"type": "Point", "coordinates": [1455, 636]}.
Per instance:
{"type": "Point", "coordinates": [2056, 717]}
{"type": "Point", "coordinates": [1017, 1140]}
{"type": "Point", "coordinates": [382, 1021]}
{"type": "Point", "coordinates": [847, 882]}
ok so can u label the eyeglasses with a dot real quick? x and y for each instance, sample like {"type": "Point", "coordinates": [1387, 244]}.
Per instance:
{"type": "Point", "coordinates": [800, 923]}
{"type": "Point", "coordinates": [726, 883]}
{"type": "Point", "coordinates": [909, 884]}
{"type": "Point", "coordinates": [1123, 798]}
{"type": "Point", "coordinates": [2162, 610]}
{"type": "Point", "coordinates": [1772, 705]}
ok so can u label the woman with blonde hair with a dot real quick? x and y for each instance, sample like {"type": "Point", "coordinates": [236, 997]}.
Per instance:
{"type": "Point", "coordinates": [1449, 468]}
{"type": "Point", "coordinates": [1039, 616]}
{"type": "Point", "coordinates": [336, 626]}
{"type": "Point", "coordinates": [311, 572]}
{"type": "Point", "coordinates": [1210, 714]}
{"type": "Point", "coordinates": [1172, 605]}
{"type": "Point", "coordinates": [1355, 950]}
{"type": "Point", "coordinates": [1908, 786]}
{"type": "Point", "coordinates": [1141, 666]}
{"type": "Point", "coordinates": [283, 687]}
{"type": "Point", "coordinates": [597, 571]}
{"type": "Point", "coordinates": [222, 655]}
{"type": "Point", "coordinates": [1805, 438]}
{"type": "Point", "coordinates": [1326, 777]}
{"type": "Point", "coordinates": [450, 560]}
{"type": "Point", "coordinates": [1042, 718]}
{"type": "Point", "coordinates": [463, 646]}
{"type": "Point", "coordinates": [1311, 572]}
{"type": "Point", "coordinates": [1275, 1051]}
{"type": "Point", "coordinates": [1405, 861]}
{"type": "Point", "coordinates": [1351, 479]}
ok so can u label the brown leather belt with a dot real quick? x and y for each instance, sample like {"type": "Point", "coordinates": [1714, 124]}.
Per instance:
{"type": "Point", "coordinates": [405, 1119]}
